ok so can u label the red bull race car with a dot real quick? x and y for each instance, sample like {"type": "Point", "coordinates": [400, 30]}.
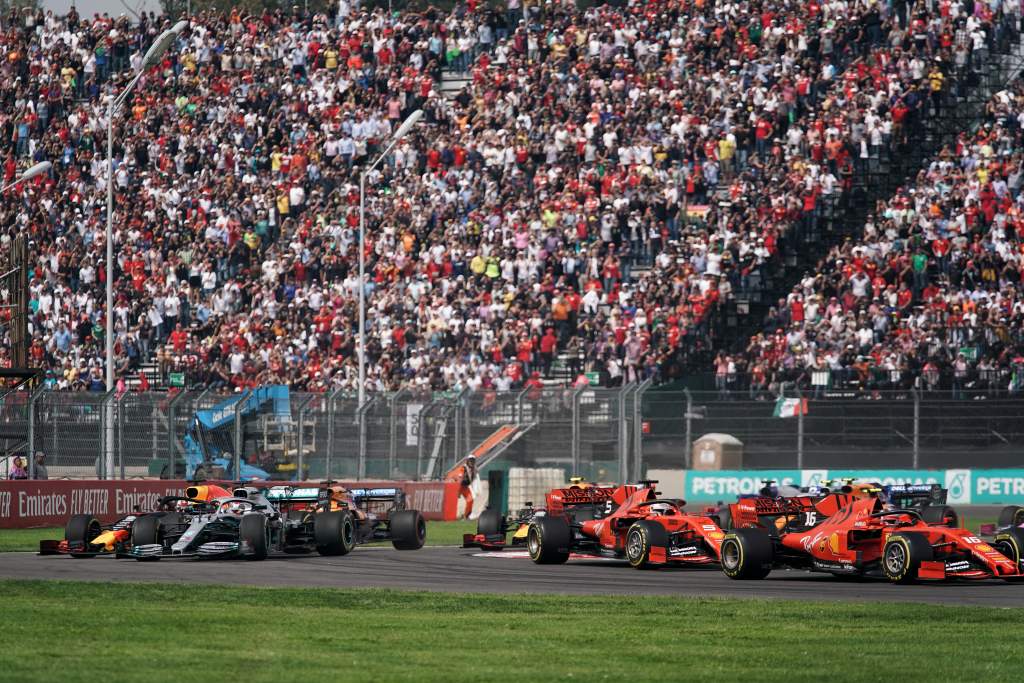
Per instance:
{"type": "Point", "coordinates": [629, 522]}
{"type": "Point", "coordinates": [861, 533]}
{"type": "Point", "coordinates": [85, 536]}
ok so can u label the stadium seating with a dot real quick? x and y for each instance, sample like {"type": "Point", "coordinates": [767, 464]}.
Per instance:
{"type": "Point", "coordinates": [605, 180]}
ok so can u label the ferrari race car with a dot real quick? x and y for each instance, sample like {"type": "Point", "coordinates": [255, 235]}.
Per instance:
{"type": "Point", "coordinates": [630, 522]}
{"type": "Point", "coordinates": [579, 502]}
{"type": "Point", "coordinates": [253, 522]}
{"type": "Point", "coordinates": [846, 533]}
{"type": "Point", "coordinates": [85, 537]}
{"type": "Point", "coordinates": [927, 499]}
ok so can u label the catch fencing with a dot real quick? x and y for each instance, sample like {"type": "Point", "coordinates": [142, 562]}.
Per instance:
{"type": "Point", "coordinates": [604, 434]}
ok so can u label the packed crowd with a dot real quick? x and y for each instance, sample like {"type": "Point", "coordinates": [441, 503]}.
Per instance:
{"type": "Point", "coordinates": [504, 231]}
{"type": "Point", "coordinates": [931, 294]}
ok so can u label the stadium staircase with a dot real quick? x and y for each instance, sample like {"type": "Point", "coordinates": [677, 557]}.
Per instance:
{"type": "Point", "coordinates": [452, 82]}
{"type": "Point", "coordinates": [961, 111]}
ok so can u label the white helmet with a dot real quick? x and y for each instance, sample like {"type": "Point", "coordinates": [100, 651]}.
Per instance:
{"type": "Point", "coordinates": [659, 509]}
{"type": "Point", "coordinates": [234, 507]}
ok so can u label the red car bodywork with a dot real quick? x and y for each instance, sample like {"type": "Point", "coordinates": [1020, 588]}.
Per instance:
{"type": "Point", "coordinates": [847, 534]}
{"type": "Point", "coordinates": [577, 502]}
{"type": "Point", "coordinates": [631, 522]}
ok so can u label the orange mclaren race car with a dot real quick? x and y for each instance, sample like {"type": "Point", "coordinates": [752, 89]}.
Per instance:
{"type": "Point", "coordinates": [84, 536]}
{"type": "Point", "coordinates": [851, 533]}
{"type": "Point", "coordinates": [630, 522]}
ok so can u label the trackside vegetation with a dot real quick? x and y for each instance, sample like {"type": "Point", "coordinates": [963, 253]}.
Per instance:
{"type": "Point", "coordinates": [82, 631]}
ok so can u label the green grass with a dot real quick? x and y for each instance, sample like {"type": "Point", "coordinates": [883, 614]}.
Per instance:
{"type": "Point", "coordinates": [12, 540]}
{"type": "Point", "coordinates": [159, 632]}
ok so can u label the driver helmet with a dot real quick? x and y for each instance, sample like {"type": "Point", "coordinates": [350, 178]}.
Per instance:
{"type": "Point", "coordinates": [234, 507]}
{"type": "Point", "coordinates": [659, 509]}
{"type": "Point", "coordinates": [181, 505]}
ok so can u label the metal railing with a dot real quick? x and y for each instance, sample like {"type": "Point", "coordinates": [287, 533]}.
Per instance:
{"type": "Point", "coordinates": [605, 434]}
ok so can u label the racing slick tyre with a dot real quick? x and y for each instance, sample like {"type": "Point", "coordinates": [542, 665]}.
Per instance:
{"type": "Point", "coordinates": [82, 529]}
{"type": "Point", "coordinates": [408, 530]}
{"type": "Point", "coordinates": [747, 554]}
{"type": "Point", "coordinates": [903, 554]}
{"type": "Point", "coordinates": [147, 530]}
{"type": "Point", "coordinates": [941, 515]}
{"type": "Point", "coordinates": [548, 540]}
{"type": "Point", "coordinates": [253, 531]}
{"type": "Point", "coordinates": [491, 523]}
{"type": "Point", "coordinates": [1011, 543]}
{"type": "Point", "coordinates": [641, 537]}
{"type": "Point", "coordinates": [1011, 515]}
{"type": "Point", "coordinates": [334, 532]}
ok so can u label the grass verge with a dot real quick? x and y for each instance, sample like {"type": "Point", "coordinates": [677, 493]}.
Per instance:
{"type": "Point", "coordinates": [158, 632]}
{"type": "Point", "coordinates": [20, 540]}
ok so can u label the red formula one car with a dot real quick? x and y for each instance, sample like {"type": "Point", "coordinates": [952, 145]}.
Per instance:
{"type": "Point", "coordinates": [844, 533]}
{"type": "Point", "coordinates": [579, 502]}
{"type": "Point", "coordinates": [631, 522]}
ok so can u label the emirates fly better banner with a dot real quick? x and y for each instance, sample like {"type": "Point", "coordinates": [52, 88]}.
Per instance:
{"type": "Point", "coordinates": [50, 503]}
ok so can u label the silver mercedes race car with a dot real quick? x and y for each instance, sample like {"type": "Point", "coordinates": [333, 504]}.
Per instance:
{"type": "Point", "coordinates": [253, 522]}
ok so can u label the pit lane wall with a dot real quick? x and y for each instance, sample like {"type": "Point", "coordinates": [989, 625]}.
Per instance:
{"type": "Point", "coordinates": [25, 504]}
{"type": "Point", "coordinates": [966, 486]}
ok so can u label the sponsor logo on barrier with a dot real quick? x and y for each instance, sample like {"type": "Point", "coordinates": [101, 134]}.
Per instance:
{"type": "Point", "coordinates": [710, 487]}
{"type": "Point", "coordinates": [428, 500]}
{"type": "Point", "coordinates": [1000, 486]}
{"type": "Point", "coordinates": [734, 483]}
{"type": "Point", "coordinates": [42, 504]}
{"type": "Point", "coordinates": [50, 503]}
{"type": "Point", "coordinates": [813, 477]}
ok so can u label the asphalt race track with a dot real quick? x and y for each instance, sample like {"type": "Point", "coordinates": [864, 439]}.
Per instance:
{"type": "Point", "coordinates": [458, 569]}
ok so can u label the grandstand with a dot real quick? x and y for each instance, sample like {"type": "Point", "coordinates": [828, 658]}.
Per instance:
{"type": "Point", "coordinates": [653, 192]}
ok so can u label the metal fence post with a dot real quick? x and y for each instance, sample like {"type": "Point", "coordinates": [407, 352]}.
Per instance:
{"type": "Point", "coordinates": [467, 430]}
{"type": "Point", "coordinates": [332, 401]}
{"type": "Point", "coordinates": [239, 434]}
{"type": "Point", "coordinates": [688, 450]}
{"type": "Point", "coordinates": [301, 441]}
{"type": "Point", "coordinates": [917, 426]}
{"type": "Point", "coordinates": [172, 441]}
{"type": "Point", "coordinates": [393, 430]}
{"type": "Point", "coordinates": [361, 419]}
{"type": "Point", "coordinates": [119, 405]}
{"type": "Point", "coordinates": [576, 431]}
{"type": "Point", "coordinates": [107, 457]}
{"type": "Point", "coordinates": [32, 398]}
{"type": "Point", "coordinates": [799, 429]}
{"type": "Point", "coordinates": [520, 410]}
{"type": "Point", "coordinates": [460, 446]}
{"type": "Point", "coordinates": [624, 434]}
{"type": "Point", "coordinates": [421, 436]}
{"type": "Point", "coordinates": [638, 432]}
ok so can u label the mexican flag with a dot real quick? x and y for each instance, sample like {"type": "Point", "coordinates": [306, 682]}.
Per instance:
{"type": "Point", "coordinates": [790, 407]}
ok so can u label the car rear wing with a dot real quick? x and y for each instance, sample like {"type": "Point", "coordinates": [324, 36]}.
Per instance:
{"type": "Point", "coordinates": [907, 495]}
{"type": "Point", "coordinates": [289, 494]}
